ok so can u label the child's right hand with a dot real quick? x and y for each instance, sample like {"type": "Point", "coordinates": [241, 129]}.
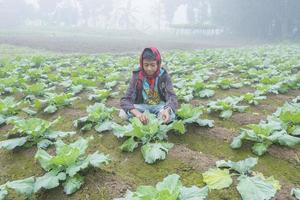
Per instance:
{"type": "Point", "coordinates": [143, 118]}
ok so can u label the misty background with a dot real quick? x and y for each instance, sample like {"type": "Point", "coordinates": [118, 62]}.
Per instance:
{"type": "Point", "coordinates": [197, 20]}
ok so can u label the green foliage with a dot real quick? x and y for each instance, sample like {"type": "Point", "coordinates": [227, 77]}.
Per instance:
{"type": "Point", "coordinates": [32, 131]}
{"type": "Point", "coordinates": [8, 108]}
{"type": "Point", "coordinates": [282, 128]}
{"type": "Point", "coordinates": [99, 116]}
{"type": "Point", "coordinates": [150, 135]}
{"type": "Point", "coordinates": [66, 165]}
{"type": "Point", "coordinates": [190, 114]}
{"type": "Point", "coordinates": [251, 185]}
{"type": "Point", "coordinates": [169, 189]}
{"type": "Point", "coordinates": [226, 106]}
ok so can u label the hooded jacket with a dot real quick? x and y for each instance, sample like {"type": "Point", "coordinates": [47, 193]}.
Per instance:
{"type": "Point", "coordinates": [133, 94]}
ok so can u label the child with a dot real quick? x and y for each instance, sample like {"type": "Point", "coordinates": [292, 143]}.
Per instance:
{"type": "Point", "coordinates": [150, 89]}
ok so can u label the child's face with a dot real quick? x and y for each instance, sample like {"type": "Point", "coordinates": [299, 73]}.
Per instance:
{"type": "Point", "coordinates": [150, 66]}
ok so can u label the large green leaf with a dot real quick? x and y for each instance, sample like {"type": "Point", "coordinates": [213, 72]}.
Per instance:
{"type": "Point", "coordinates": [72, 184]}
{"type": "Point", "coordinates": [155, 151]}
{"type": "Point", "coordinates": [146, 192]}
{"type": "Point", "coordinates": [260, 148]}
{"type": "Point", "coordinates": [3, 192]}
{"type": "Point", "coordinates": [104, 126]}
{"type": "Point", "coordinates": [236, 142]}
{"type": "Point", "coordinates": [255, 188]}
{"type": "Point", "coordinates": [206, 93]}
{"type": "Point", "coordinates": [24, 186]}
{"type": "Point", "coordinates": [2, 120]}
{"type": "Point", "coordinates": [243, 166]}
{"type": "Point", "coordinates": [44, 159]}
{"type": "Point", "coordinates": [193, 193]}
{"type": "Point", "coordinates": [169, 188]}
{"type": "Point", "coordinates": [13, 143]}
{"type": "Point", "coordinates": [178, 126]}
{"type": "Point", "coordinates": [296, 193]}
{"type": "Point", "coordinates": [98, 159]}
{"type": "Point", "coordinates": [129, 145]}
{"type": "Point", "coordinates": [58, 134]}
{"type": "Point", "coordinates": [76, 167]}
{"type": "Point", "coordinates": [66, 157]}
{"type": "Point", "coordinates": [171, 183]}
{"type": "Point", "coordinates": [217, 178]}
{"type": "Point", "coordinates": [49, 180]}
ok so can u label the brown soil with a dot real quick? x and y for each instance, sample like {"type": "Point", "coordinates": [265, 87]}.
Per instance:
{"type": "Point", "coordinates": [247, 118]}
{"type": "Point", "coordinates": [113, 102]}
{"type": "Point", "coordinates": [220, 133]}
{"type": "Point", "coordinates": [286, 153]}
{"type": "Point", "coordinates": [197, 160]}
{"type": "Point", "coordinates": [284, 192]}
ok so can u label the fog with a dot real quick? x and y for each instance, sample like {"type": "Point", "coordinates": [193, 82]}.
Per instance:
{"type": "Point", "coordinates": [258, 19]}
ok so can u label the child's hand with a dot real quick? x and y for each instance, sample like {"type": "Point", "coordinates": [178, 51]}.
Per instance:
{"type": "Point", "coordinates": [143, 118]}
{"type": "Point", "coordinates": [165, 115]}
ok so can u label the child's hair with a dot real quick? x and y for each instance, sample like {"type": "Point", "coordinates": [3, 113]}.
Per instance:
{"type": "Point", "coordinates": [148, 54]}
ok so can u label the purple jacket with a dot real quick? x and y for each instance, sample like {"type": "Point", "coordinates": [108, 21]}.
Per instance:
{"type": "Point", "coordinates": [165, 91]}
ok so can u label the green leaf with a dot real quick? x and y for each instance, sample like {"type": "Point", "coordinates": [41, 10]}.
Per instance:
{"type": "Point", "coordinates": [206, 93]}
{"type": "Point", "coordinates": [255, 188]}
{"type": "Point", "coordinates": [66, 156]}
{"type": "Point", "coordinates": [2, 120]}
{"type": "Point", "coordinates": [72, 184]}
{"type": "Point", "coordinates": [98, 159]}
{"type": "Point", "coordinates": [13, 143]}
{"type": "Point", "coordinates": [146, 192]}
{"type": "Point", "coordinates": [44, 159]}
{"type": "Point", "coordinates": [155, 151]}
{"type": "Point", "coordinates": [178, 126]}
{"type": "Point", "coordinates": [120, 131]}
{"type": "Point", "coordinates": [44, 143]}
{"type": "Point", "coordinates": [288, 140]}
{"type": "Point", "coordinates": [50, 109]}
{"type": "Point", "coordinates": [226, 114]}
{"type": "Point", "coordinates": [295, 192]}
{"type": "Point", "coordinates": [242, 166]}
{"type": "Point", "coordinates": [103, 126]}
{"type": "Point", "coordinates": [3, 192]}
{"type": "Point", "coordinates": [188, 111]}
{"type": "Point", "coordinates": [129, 145]}
{"type": "Point", "coordinates": [205, 122]}
{"type": "Point", "coordinates": [236, 142]}
{"type": "Point", "coordinates": [49, 180]}
{"type": "Point", "coordinates": [172, 184]}
{"type": "Point", "coordinates": [24, 186]}
{"type": "Point", "coordinates": [87, 127]}
{"type": "Point", "coordinates": [193, 193]}
{"type": "Point", "coordinates": [81, 144]}
{"type": "Point", "coordinates": [58, 134]}
{"type": "Point", "coordinates": [76, 167]}
{"type": "Point", "coordinates": [260, 148]}
{"type": "Point", "coordinates": [271, 180]}
{"type": "Point", "coordinates": [217, 178]}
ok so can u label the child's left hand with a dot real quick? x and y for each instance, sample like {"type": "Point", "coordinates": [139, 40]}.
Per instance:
{"type": "Point", "coordinates": [165, 115]}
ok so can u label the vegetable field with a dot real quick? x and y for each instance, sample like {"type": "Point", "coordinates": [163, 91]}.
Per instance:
{"type": "Point", "coordinates": [236, 136]}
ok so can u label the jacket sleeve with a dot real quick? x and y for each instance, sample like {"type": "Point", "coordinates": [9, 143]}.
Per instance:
{"type": "Point", "coordinates": [171, 98]}
{"type": "Point", "coordinates": [127, 100]}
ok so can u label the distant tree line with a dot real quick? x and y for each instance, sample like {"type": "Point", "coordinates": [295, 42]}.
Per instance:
{"type": "Point", "coordinates": [263, 19]}
{"type": "Point", "coordinates": [258, 18]}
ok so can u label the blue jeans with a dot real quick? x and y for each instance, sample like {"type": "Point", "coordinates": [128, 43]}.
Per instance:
{"type": "Point", "coordinates": [154, 109]}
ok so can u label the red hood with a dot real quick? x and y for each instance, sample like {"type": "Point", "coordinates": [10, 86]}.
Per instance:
{"type": "Point", "coordinates": [157, 56]}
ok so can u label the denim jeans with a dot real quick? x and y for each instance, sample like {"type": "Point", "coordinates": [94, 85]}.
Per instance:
{"type": "Point", "coordinates": [154, 109]}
